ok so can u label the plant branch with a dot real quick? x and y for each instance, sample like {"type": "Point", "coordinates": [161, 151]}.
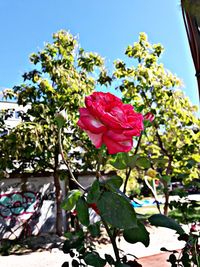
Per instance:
{"type": "Point", "coordinates": [99, 162]}
{"type": "Point", "coordinates": [128, 170]}
{"type": "Point", "coordinates": [66, 162]}
{"type": "Point", "coordinates": [138, 144]}
{"type": "Point", "coordinates": [112, 239]}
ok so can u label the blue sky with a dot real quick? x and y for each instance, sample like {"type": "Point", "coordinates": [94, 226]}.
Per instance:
{"type": "Point", "coordinates": [106, 27]}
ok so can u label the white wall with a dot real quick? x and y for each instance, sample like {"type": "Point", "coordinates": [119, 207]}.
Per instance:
{"type": "Point", "coordinates": [32, 208]}
{"type": "Point", "coordinates": [14, 108]}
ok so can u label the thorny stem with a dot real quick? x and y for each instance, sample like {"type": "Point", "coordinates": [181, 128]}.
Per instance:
{"type": "Point", "coordinates": [66, 162]}
{"type": "Point", "coordinates": [138, 144]}
{"type": "Point", "coordinates": [99, 162]}
{"type": "Point", "coordinates": [196, 253]}
{"type": "Point", "coordinates": [112, 239]}
{"type": "Point", "coordinates": [128, 171]}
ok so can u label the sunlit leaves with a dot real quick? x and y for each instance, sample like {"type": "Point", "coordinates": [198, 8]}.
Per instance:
{"type": "Point", "coordinates": [62, 74]}
{"type": "Point", "coordinates": [152, 87]}
{"type": "Point", "coordinates": [71, 199]}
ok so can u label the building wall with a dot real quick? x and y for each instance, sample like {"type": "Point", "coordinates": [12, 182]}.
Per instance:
{"type": "Point", "coordinates": [27, 206]}
{"type": "Point", "coordinates": [14, 120]}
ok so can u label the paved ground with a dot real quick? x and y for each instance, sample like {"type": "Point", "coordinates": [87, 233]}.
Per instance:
{"type": "Point", "coordinates": [158, 260]}
{"type": "Point", "coordinates": [160, 237]}
{"type": "Point", "coordinates": [56, 259]}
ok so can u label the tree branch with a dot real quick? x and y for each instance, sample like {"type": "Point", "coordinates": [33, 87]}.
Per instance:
{"type": "Point", "coordinates": [66, 162]}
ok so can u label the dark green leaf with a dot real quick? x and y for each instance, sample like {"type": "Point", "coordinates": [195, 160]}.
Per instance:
{"type": "Point", "coordinates": [75, 263]}
{"type": "Point", "coordinates": [137, 234]}
{"type": "Point", "coordinates": [117, 210]}
{"type": "Point", "coordinates": [93, 259]}
{"type": "Point", "coordinates": [109, 259]}
{"type": "Point", "coordinates": [121, 265]}
{"type": "Point", "coordinates": [94, 192]}
{"type": "Point", "coordinates": [71, 199]}
{"type": "Point", "coordinates": [119, 162]}
{"type": "Point", "coordinates": [186, 260]}
{"type": "Point", "coordinates": [132, 161]}
{"type": "Point", "coordinates": [82, 211]}
{"type": "Point", "coordinates": [73, 240]}
{"type": "Point", "coordinates": [94, 229]}
{"type": "Point", "coordinates": [65, 264]}
{"type": "Point", "coordinates": [115, 181]}
{"type": "Point", "coordinates": [166, 178]}
{"type": "Point", "coordinates": [143, 162]}
{"type": "Point", "coordinates": [164, 221]}
{"type": "Point", "coordinates": [60, 120]}
{"type": "Point", "coordinates": [172, 260]}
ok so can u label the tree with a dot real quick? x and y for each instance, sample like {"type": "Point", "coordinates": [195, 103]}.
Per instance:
{"type": "Point", "coordinates": [171, 145]}
{"type": "Point", "coordinates": [62, 76]}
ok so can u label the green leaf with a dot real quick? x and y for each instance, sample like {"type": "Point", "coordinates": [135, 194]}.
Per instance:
{"type": "Point", "coordinates": [143, 162]}
{"type": "Point", "coordinates": [94, 192]}
{"type": "Point", "coordinates": [93, 259]}
{"type": "Point", "coordinates": [119, 162]}
{"type": "Point", "coordinates": [75, 263]}
{"type": "Point", "coordinates": [121, 265]}
{"type": "Point", "coordinates": [137, 234]}
{"type": "Point", "coordinates": [115, 181]}
{"type": "Point", "coordinates": [82, 211]}
{"type": "Point", "coordinates": [164, 221]}
{"type": "Point", "coordinates": [131, 161]}
{"type": "Point", "coordinates": [109, 259]}
{"type": "Point", "coordinates": [73, 240]}
{"type": "Point", "coordinates": [117, 210]}
{"type": "Point", "coordinates": [70, 201]}
{"type": "Point", "coordinates": [65, 264]}
{"type": "Point", "coordinates": [94, 229]}
{"type": "Point", "coordinates": [60, 120]}
{"type": "Point", "coordinates": [166, 178]}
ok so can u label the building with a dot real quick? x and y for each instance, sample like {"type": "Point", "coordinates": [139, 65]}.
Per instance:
{"type": "Point", "coordinates": [14, 110]}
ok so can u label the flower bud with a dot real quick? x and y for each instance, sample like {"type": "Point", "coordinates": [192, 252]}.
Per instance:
{"type": "Point", "coordinates": [152, 173]}
{"type": "Point", "coordinates": [61, 118]}
{"type": "Point", "coordinates": [149, 117]}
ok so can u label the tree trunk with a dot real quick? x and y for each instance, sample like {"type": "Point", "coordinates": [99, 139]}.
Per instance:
{"type": "Point", "coordinates": [59, 217]}
{"type": "Point", "coordinates": [166, 205]}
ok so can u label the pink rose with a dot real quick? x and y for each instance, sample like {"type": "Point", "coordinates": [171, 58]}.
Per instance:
{"type": "Point", "coordinates": [108, 121]}
{"type": "Point", "coordinates": [149, 117]}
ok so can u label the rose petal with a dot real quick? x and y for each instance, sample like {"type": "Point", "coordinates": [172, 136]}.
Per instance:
{"type": "Point", "coordinates": [89, 122]}
{"type": "Point", "coordinates": [133, 132]}
{"type": "Point", "coordinates": [95, 138]}
{"type": "Point", "coordinates": [110, 121]}
{"type": "Point", "coordinates": [116, 135]}
{"type": "Point", "coordinates": [115, 147]}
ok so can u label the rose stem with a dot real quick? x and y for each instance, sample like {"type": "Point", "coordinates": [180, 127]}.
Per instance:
{"type": "Point", "coordinates": [112, 239]}
{"type": "Point", "coordinates": [99, 162]}
{"type": "Point", "coordinates": [128, 170]}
